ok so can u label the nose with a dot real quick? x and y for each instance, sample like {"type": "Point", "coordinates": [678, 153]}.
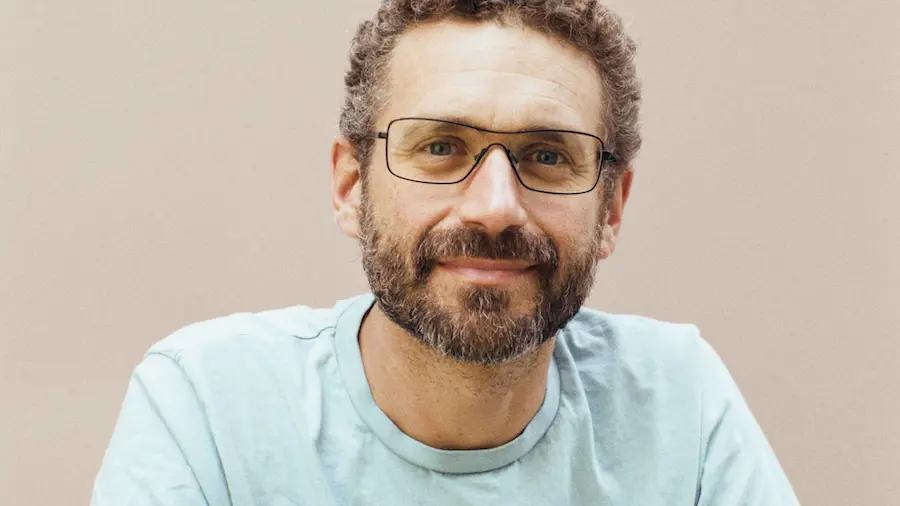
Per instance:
{"type": "Point", "coordinates": [492, 198]}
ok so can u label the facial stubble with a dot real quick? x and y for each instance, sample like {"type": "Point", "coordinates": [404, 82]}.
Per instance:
{"type": "Point", "coordinates": [473, 324]}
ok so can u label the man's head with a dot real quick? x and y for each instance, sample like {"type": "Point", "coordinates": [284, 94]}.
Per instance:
{"type": "Point", "coordinates": [486, 269]}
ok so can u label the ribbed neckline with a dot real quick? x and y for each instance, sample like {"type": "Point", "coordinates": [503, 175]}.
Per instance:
{"type": "Point", "coordinates": [445, 461]}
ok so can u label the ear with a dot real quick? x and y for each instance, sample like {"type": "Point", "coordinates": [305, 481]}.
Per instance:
{"type": "Point", "coordinates": [612, 219]}
{"type": "Point", "coordinates": [346, 187]}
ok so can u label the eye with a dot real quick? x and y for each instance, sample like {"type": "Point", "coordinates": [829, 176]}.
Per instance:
{"type": "Point", "coordinates": [546, 157]}
{"type": "Point", "coordinates": [440, 148]}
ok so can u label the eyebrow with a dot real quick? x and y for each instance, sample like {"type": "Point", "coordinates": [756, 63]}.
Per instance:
{"type": "Point", "coordinates": [438, 128]}
{"type": "Point", "coordinates": [529, 127]}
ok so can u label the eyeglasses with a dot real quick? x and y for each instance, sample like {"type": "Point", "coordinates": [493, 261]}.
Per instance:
{"type": "Point", "coordinates": [436, 151]}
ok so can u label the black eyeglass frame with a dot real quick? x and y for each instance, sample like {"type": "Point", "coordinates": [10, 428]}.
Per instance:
{"type": "Point", "coordinates": [604, 156]}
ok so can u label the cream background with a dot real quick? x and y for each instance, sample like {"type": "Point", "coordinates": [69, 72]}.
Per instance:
{"type": "Point", "coordinates": [166, 162]}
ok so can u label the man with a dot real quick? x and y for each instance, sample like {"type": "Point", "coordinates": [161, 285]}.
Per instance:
{"type": "Point", "coordinates": [484, 166]}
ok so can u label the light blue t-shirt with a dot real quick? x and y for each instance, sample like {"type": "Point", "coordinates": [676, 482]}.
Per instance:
{"type": "Point", "coordinates": [274, 409]}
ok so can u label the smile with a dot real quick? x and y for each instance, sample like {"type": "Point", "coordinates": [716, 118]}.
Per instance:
{"type": "Point", "coordinates": [487, 272]}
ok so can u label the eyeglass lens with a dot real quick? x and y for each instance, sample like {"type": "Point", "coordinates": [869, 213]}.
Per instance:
{"type": "Point", "coordinates": [434, 151]}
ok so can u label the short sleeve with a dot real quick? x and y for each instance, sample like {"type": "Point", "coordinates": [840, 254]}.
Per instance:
{"type": "Point", "coordinates": [738, 466]}
{"type": "Point", "coordinates": [161, 451]}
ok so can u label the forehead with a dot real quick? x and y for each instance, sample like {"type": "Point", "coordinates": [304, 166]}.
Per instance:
{"type": "Point", "coordinates": [493, 76]}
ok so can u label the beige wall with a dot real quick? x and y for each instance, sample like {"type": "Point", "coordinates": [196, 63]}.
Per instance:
{"type": "Point", "coordinates": [165, 162]}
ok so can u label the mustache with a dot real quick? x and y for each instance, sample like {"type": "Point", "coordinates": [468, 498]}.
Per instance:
{"type": "Point", "coordinates": [511, 244]}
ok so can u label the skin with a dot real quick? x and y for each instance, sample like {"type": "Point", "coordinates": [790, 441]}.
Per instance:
{"type": "Point", "coordinates": [499, 78]}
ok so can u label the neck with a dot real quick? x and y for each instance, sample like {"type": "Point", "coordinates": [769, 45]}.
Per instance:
{"type": "Point", "coordinates": [444, 403]}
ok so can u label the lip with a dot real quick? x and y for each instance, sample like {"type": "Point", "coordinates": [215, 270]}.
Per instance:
{"type": "Point", "coordinates": [487, 272]}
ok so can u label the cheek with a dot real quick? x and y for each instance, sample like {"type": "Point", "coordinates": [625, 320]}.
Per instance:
{"type": "Point", "coordinates": [571, 223]}
{"type": "Point", "coordinates": [404, 212]}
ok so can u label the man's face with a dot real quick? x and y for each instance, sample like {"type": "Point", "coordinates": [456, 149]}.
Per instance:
{"type": "Point", "coordinates": [484, 270]}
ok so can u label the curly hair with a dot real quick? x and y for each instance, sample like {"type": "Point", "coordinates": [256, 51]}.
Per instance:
{"type": "Point", "coordinates": [586, 24]}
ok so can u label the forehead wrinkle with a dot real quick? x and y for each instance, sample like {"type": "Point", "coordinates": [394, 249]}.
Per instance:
{"type": "Point", "coordinates": [507, 75]}
{"type": "Point", "coordinates": [548, 69]}
{"type": "Point", "coordinates": [538, 111]}
{"type": "Point", "coordinates": [518, 121]}
{"type": "Point", "coordinates": [418, 56]}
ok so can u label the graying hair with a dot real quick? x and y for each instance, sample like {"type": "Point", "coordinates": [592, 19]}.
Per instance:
{"type": "Point", "coordinates": [586, 24]}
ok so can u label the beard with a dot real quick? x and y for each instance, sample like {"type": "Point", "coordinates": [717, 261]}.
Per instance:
{"type": "Point", "coordinates": [476, 324]}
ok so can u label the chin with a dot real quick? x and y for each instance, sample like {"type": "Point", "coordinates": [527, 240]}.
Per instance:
{"type": "Point", "coordinates": [508, 301]}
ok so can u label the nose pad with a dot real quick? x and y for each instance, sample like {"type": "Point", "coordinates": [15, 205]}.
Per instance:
{"type": "Point", "coordinates": [509, 154]}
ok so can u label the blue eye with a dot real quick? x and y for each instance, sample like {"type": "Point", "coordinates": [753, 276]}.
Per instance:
{"type": "Point", "coordinates": [547, 157]}
{"type": "Point", "coordinates": [442, 148]}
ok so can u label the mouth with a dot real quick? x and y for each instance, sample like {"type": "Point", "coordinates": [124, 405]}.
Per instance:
{"type": "Point", "coordinates": [487, 272]}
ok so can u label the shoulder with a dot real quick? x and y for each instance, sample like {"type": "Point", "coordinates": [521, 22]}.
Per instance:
{"type": "Point", "coordinates": [241, 333]}
{"type": "Point", "coordinates": [638, 343]}
{"type": "Point", "coordinates": [643, 376]}
{"type": "Point", "coordinates": [646, 358]}
{"type": "Point", "coordinates": [636, 362]}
